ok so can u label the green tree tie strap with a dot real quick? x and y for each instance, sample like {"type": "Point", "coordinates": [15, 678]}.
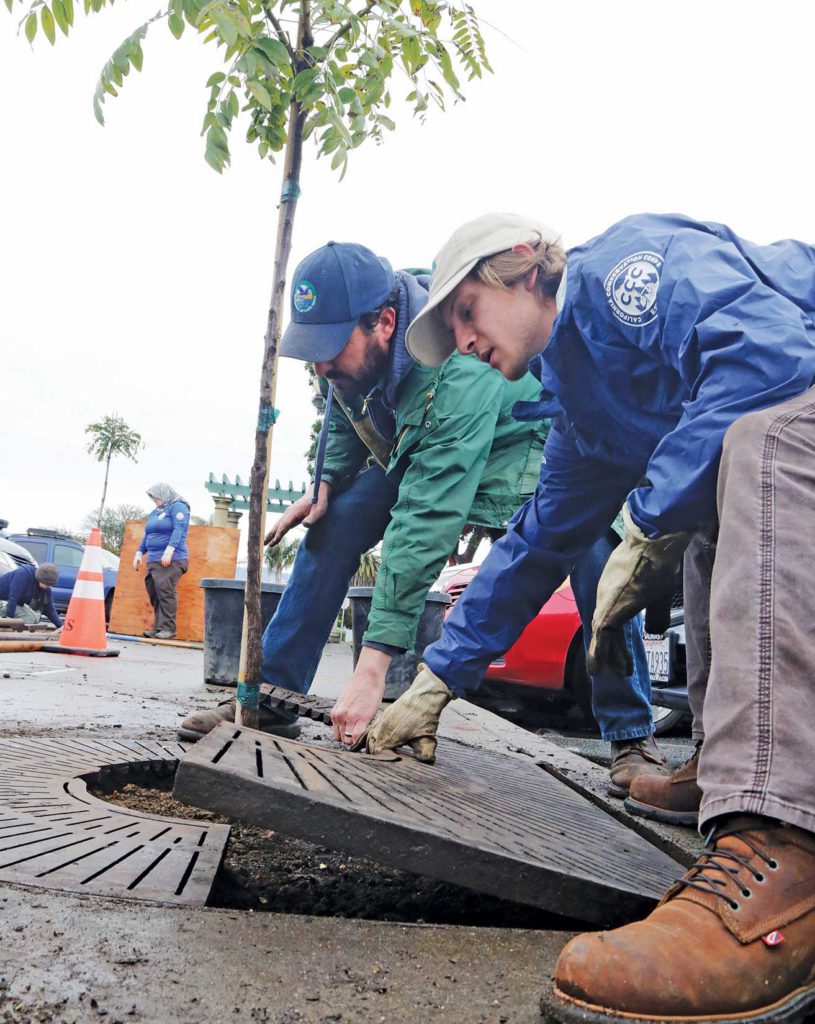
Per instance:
{"type": "Point", "coordinates": [267, 417]}
{"type": "Point", "coordinates": [249, 696]}
{"type": "Point", "coordinates": [291, 192]}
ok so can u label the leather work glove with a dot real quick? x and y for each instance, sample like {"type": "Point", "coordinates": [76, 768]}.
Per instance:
{"type": "Point", "coordinates": [137, 560]}
{"type": "Point", "coordinates": [411, 720]}
{"type": "Point", "coordinates": [638, 573]}
{"type": "Point", "coordinates": [167, 557]}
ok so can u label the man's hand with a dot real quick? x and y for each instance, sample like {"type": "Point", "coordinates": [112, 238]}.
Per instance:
{"type": "Point", "coordinates": [412, 719]}
{"type": "Point", "coordinates": [137, 560]}
{"type": "Point", "coordinates": [300, 511]}
{"type": "Point", "coordinates": [360, 700]}
{"type": "Point", "coordinates": [167, 557]}
{"type": "Point", "coordinates": [638, 572]}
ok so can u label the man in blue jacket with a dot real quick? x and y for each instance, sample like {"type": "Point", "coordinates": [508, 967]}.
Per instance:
{"type": "Point", "coordinates": [674, 351]}
{"type": "Point", "coordinates": [25, 593]}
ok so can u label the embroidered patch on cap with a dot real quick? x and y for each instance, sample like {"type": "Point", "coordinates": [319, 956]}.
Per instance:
{"type": "Point", "coordinates": [304, 297]}
{"type": "Point", "coordinates": [631, 288]}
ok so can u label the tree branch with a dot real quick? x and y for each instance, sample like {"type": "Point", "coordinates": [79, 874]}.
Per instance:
{"type": "Point", "coordinates": [281, 35]}
{"type": "Point", "coordinates": [346, 28]}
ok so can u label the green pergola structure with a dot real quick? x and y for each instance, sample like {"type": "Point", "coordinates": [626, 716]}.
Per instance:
{"type": "Point", "coordinates": [278, 498]}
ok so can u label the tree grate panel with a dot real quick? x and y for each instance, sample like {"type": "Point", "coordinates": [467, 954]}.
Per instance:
{"type": "Point", "coordinates": [56, 835]}
{"type": "Point", "coordinates": [303, 704]}
{"type": "Point", "coordinates": [493, 822]}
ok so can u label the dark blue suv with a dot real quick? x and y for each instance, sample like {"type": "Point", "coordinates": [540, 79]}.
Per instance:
{"type": "Point", "coordinates": [66, 554]}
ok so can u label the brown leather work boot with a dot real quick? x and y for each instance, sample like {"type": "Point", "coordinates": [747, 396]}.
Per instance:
{"type": "Point", "coordinates": [674, 799]}
{"type": "Point", "coordinates": [279, 723]}
{"type": "Point", "coordinates": [734, 941]}
{"type": "Point", "coordinates": [633, 758]}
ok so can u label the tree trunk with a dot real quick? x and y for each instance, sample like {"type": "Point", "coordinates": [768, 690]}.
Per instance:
{"type": "Point", "coordinates": [251, 654]}
{"type": "Point", "coordinates": [104, 489]}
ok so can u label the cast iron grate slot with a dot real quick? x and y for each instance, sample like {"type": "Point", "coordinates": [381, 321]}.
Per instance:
{"type": "Point", "coordinates": [76, 860]}
{"type": "Point", "coordinates": [187, 872]}
{"type": "Point", "coordinates": [258, 759]}
{"type": "Point", "coordinates": [140, 878]}
{"type": "Point", "coordinates": [292, 769]}
{"type": "Point", "coordinates": [107, 867]}
{"type": "Point", "coordinates": [44, 853]}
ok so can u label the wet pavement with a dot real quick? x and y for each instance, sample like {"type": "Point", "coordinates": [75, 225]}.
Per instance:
{"type": "Point", "coordinates": [76, 959]}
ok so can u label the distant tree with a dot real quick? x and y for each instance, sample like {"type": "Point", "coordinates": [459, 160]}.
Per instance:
{"type": "Point", "coordinates": [200, 521]}
{"type": "Point", "coordinates": [112, 524]}
{"type": "Point", "coordinates": [111, 436]}
{"type": "Point", "coordinates": [281, 557]}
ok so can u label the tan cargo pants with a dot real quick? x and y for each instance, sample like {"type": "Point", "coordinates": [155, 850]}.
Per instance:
{"type": "Point", "coordinates": [759, 708]}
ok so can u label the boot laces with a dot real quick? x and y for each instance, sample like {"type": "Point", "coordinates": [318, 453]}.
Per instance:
{"type": "Point", "coordinates": [729, 865]}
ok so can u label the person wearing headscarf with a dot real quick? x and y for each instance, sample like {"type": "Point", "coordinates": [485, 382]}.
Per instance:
{"type": "Point", "coordinates": [25, 593]}
{"type": "Point", "coordinates": [165, 545]}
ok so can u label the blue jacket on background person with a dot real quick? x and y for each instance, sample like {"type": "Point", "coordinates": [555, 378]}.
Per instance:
{"type": "Point", "coordinates": [167, 526]}
{"type": "Point", "coordinates": [668, 330]}
{"type": "Point", "coordinates": [20, 587]}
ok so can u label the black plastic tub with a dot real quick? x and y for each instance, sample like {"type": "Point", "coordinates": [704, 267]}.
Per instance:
{"type": "Point", "coordinates": [223, 622]}
{"type": "Point", "coordinates": [403, 668]}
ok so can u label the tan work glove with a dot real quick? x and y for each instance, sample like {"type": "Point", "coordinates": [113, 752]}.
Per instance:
{"type": "Point", "coordinates": [639, 571]}
{"type": "Point", "coordinates": [411, 720]}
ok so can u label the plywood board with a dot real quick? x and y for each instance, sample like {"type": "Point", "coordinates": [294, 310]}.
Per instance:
{"type": "Point", "coordinates": [213, 553]}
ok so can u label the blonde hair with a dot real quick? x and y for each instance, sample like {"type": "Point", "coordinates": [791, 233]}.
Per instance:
{"type": "Point", "coordinates": [508, 267]}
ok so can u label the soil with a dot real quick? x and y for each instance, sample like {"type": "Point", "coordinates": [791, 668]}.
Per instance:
{"type": "Point", "coordinates": [268, 871]}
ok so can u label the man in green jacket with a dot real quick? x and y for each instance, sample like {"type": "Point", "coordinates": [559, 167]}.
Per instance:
{"type": "Point", "coordinates": [413, 455]}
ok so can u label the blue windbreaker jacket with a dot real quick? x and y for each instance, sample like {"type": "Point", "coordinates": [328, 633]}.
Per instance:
{"type": "Point", "coordinates": [668, 330]}
{"type": "Point", "coordinates": [167, 524]}
{"type": "Point", "coordinates": [20, 587]}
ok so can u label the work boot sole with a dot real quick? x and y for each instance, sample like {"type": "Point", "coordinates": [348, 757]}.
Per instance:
{"type": "Point", "coordinates": [793, 1009]}
{"type": "Point", "coordinates": [617, 791]}
{"type": "Point", "coordinates": [641, 810]}
{"type": "Point", "coordinates": [288, 732]}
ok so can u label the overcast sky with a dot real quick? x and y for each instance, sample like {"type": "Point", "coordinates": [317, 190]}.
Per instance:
{"type": "Point", "coordinates": [135, 280]}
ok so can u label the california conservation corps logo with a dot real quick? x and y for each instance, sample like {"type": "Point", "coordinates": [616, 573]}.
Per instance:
{"type": "Point", "coordinates": [631, 288]}
{"type": "Point", "coordinates": [305, 297]}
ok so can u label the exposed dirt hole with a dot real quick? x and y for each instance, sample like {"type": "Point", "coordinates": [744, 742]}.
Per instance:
{"type": "Point", "coordinates": [269, 871]}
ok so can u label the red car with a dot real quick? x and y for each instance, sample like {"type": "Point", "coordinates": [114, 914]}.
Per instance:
{"type": "Point", "coordinates": [549, 655]}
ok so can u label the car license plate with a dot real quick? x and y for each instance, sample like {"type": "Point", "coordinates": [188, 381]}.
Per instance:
{"type": "Point", "coordinates": [658, 653]}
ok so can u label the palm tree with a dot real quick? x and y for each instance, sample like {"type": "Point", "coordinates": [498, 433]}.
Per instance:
{"type": "Point", "coordinates": [281, 557]}
{"type": "Point", "coordinates": [111, 436]}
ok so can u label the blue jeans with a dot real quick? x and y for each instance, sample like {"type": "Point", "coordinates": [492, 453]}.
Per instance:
{"type": "Point", "coordinates": [621, 707]}
{"type": "Point", "coordinates": [327, 559]}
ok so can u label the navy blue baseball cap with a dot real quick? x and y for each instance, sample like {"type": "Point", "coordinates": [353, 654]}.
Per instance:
{"type": "Point", "coordinates": [331, 290]}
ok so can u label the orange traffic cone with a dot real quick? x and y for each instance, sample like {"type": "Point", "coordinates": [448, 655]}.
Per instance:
{"type": "Point", "coordinates": [83, 631]}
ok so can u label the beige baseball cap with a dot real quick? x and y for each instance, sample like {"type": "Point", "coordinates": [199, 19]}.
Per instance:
{"type": "Point", "coordinates": [428, 339]}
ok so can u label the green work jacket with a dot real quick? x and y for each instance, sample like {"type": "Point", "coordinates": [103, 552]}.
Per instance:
{"type": "Point", "coordinates": [460, 458]}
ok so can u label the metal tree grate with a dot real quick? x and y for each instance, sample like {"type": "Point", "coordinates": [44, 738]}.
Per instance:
{"type": "Point", "coordinates": [56, 835]}
{"type": "Point", "coordinates": [495, 823]}
{"type": "Point", "coordinates": [303, 704]}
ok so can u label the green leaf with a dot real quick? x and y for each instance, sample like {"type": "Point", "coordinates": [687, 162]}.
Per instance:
{"type": "Point", "coordinates": [216, 152]}
{"type": "Point", "coordinates": [273, 50]}
{"type": "Point", "coordinates": [48, 26]}
{"type": "Point", "coordinates": [226, 25]}
{"type": "Point", "coordinates": [136, 56]}
{"type": "Point", "coordinates": [68, 7]}
{"type": "Point", "coordinates": [31, 27]}
{"type": "Point", "coordinates": [59, 16]}
{"type": "Point", "coordinates": [215, 79]}
{"type": "Point", "coordinates": [175, 20]}
{"type": "Point", "coordinates": [9, 4]}
{"type": "Point", "coordinates": [260, 94]}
